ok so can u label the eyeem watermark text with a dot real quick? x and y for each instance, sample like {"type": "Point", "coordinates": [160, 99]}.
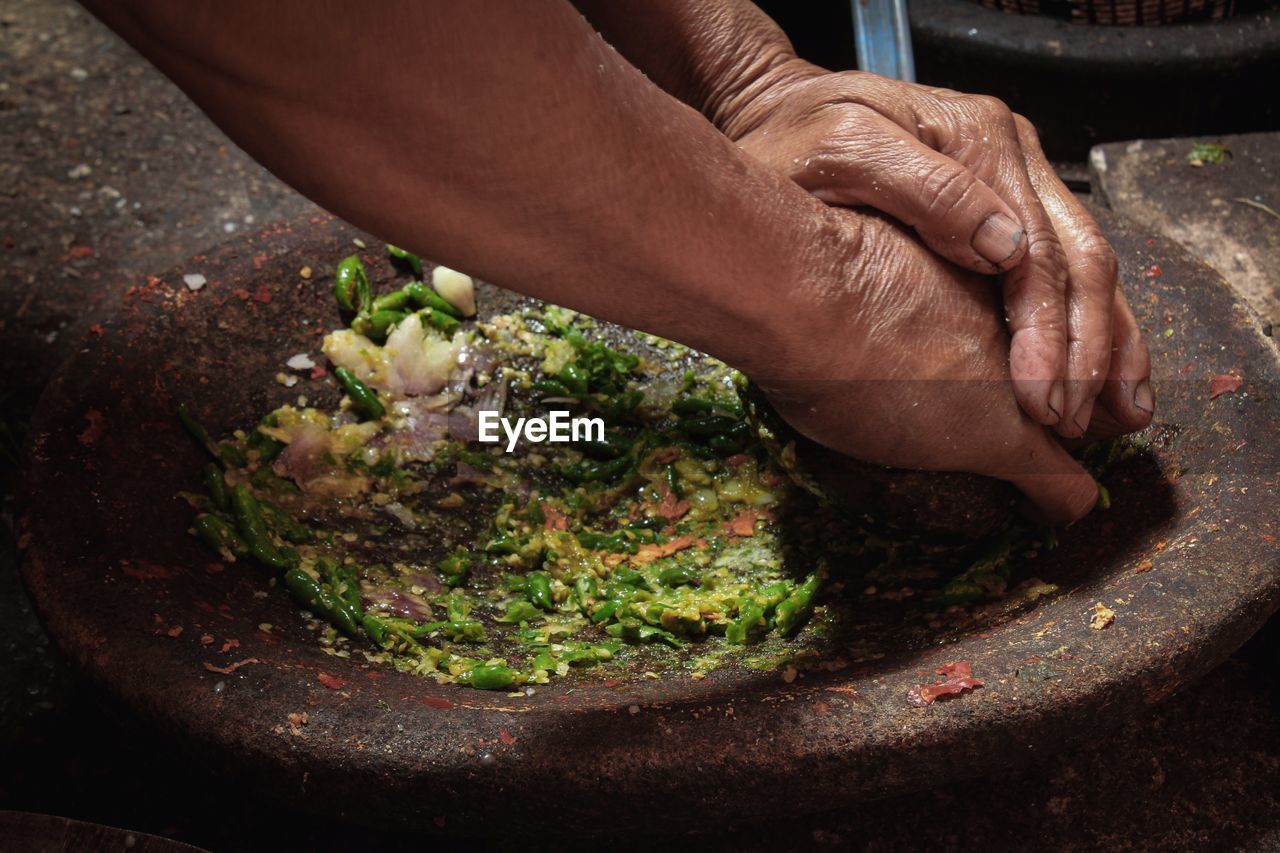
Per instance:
{"type": "Point", "coordinates": [557, 427]}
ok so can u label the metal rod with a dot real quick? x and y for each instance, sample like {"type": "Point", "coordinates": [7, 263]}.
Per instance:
{"type": "Point", "coordinates": [882, 38]}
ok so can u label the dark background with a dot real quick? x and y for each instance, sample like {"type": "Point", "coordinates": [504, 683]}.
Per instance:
{"type": "Point", "coordinates": [1080, 85]}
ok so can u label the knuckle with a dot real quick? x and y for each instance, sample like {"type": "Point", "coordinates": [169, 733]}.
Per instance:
{"type": "Point", "coordinates": [1097, 261]}
{"type": "Point", "coordinates": [1036, 351]}
{"type": "Point", "coordinates": [1025, 128]}
{"type": "Point", "coordinates": [1091, 354]}
{"type": "Point", "coordinates": [1047, 257]}
{"type": "Point", "coordinates": [852, 125]}
{"type": "Point", "coordinates": [1034, 299]}
{"type": "Point", "coordinates": [946, 190]}
{"type": "Point", "coordinates": [992, 107]}
{"type": "Point", "coordinates": [1098, 355]}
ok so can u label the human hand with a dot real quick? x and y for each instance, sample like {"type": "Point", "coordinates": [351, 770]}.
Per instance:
{"type": "Point", "coordinates": [913, 373]}
{"type": "Point", "coordinates": [969, 176]}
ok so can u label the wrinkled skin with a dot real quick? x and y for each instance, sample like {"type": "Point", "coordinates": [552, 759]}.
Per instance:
{"type": "Point", "coordinates": [509, 140]}
{"type": "Point", "coordinates": [920, 379]}
{"type": "Point", "coordinates": [969, 176]}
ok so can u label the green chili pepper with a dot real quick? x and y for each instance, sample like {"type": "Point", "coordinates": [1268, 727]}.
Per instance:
{"type": "Point", "coordinates": [488, 677]}
{"type": "Point", "coordinates": [605, 610]}
{"type": "Point", "coordinates": [266, 447]}
{"type": "Point", "coordinates": [377, 325]}
{"type": "Point", "coordinates": [376, 628]}
{"type": "Point", "coordinates": [503, 543]}
{"type": "Point", "coordinates": [621, 405]}
{"type": "Point", "coordinates": [395, 633]}
{"type": "Point", "coordinates": [538, 589]}
{"type": "Point", "coordinates": [672, 476]}
{"type": "Point", "coordinates": [249, 518]}
{"type": "Point", "coordinates": [732, 440]}
{"type": "Point", "coordinates": [220, 536]}
{"type": "Point", "coordinates": [677, 576]}
{"type": "Point", "coordinates": [652, 612]}
{"type": "Point", "coordinates": [364, 397]}
{"type": "Point", "coordinates": [585, 590]}
{"type": "Point", "coordinates": [630, 577]}
{"type": "Point", "coordinates": [216, 485]}
{"type": "Point", "coordinates": [351, 286]}
{"type": "Point", "coordinates": [647, 523]}
{"type": "Point", "coordinates": [592, 540]}
{"type": "Point", "coordinates": [773, 595]}
{"type": "Point", "coordinates": [464, 631]}
{"type": "Point", "coordinates": [454, 567]}
{"type": "Point", "coordinates": [706, 426]}
{"type": "Point", "coordinates": [396, 300]}
{"type": "Point", "coordinates": [414, 262]}
{"type": "Point", "coordinates": [581, 657]}
{"type": "Point", "coordinates": [592, 471]}
{"type": "Point", "coordinates": [635, 631]}
{"type": "Point", "coordinates": [795, 609]}
{"type": "Point", "coordinates": [231, 456]}
{"type": "Point", "coordinates": [197, 430]}
{"type": "Point", "coordinates": [457, 605]}
{"type": "Point", "coordinates": [289, 557]}
{"type": "Point", "coordinates": [614, 445]}
{"type": "Point", "coordinates": [256, 535]}
{"type": "Point", "coordinates": [228, 454]}
{"type": "Point", "coordinates": [322, 601]}
{"type": "Point", "coordinates": [750, 619]}
{"type": "Point", "coordinates": [519, 611]}
{"type": "Point", "coordinates": [425, 297]}
{"type": "Point", "coordinates": [268, 481]}
{"type": "Point", "coordinates": [344, 578]}
{"type": "Point", "coordinates": [417, 291]}
{"type": "Point", "coordinates": [574, 378]}
{"type": "Point", "coordinates": [457, 630]}
{"type": "Point", "coordinates": [283, 524]}
{"type": "Point", "coordinates": [688, 407]}
{"type": "Point", "coordinates": [440, 320]}
{"type": "Point", "coordinates": [551, 388]}
{"type": "Point", "coordinates": [615, 542]}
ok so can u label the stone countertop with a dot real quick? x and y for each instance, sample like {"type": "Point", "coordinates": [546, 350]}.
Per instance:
{"type": "Point", "coordinates": [108, 173]}
{"type": "Point", "coordinates": [1227, 213]}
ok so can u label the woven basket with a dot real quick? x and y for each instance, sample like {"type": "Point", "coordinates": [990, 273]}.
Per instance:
{"type": "Point", "coordinates": [1120, 12]}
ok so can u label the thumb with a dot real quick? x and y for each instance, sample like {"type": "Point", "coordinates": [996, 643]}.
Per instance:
{"type": "Point", "coordinates": [955, 213]}
{"type": "Point", "coordinates": [1055, 483]}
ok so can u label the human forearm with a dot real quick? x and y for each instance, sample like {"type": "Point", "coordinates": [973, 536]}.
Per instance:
{"type": "Point", "coordinates": [715, 55]}
{"type": "Point", "coordinates": [525, 151]}
{"type": "Point", "coordinates": [508, 140]}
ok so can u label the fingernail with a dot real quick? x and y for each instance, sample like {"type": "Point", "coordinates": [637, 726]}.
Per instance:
{"type": "Point", "coordinates": [997, 238]}
{"type": "Point", "coordinates": [1143, 398]}
{"type": "Point", "coordinates": [1056, 394]}
{"type": "Point", "coordinates": [1082, 417]}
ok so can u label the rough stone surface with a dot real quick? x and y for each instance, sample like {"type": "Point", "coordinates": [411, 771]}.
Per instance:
{"type": "Point", "coordinates": [108, 172]}
{"type": "Point", "coordinates": [1207, 208]}
{"type": "Point", "coordinates": [1187, 561]}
